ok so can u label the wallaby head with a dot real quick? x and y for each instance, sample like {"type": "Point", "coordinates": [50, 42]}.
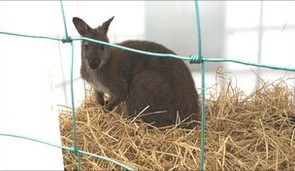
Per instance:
{"type": "Point", "coordinates": [94, 55]}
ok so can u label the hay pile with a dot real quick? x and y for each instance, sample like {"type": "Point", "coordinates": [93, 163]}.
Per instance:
{"type": "Point", "coordinates": [242, 133]}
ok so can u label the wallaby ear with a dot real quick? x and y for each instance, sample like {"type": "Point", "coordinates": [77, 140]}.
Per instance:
{"type": "Point", "coordinates": [106, 24]}
{"type": "Point", "coordinates": [82, 27]}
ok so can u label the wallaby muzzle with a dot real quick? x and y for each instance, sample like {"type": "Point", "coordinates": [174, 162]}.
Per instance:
{"type": "Point", "coordinates": [93, 63]}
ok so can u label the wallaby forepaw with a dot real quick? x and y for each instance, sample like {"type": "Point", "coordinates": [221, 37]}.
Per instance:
{"type": "Point", "coordinates": [105, 110]}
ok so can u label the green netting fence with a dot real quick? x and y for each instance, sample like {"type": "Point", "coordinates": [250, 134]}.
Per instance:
{"type": "Point", "coordinates": [193, 59]}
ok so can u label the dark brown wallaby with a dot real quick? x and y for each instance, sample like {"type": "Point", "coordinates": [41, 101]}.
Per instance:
{"type": "Point", "coordinates": [163, 84]}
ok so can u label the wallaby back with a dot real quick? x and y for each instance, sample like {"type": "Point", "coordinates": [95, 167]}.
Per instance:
{"type": "Point", "coordinates": [163, 84]}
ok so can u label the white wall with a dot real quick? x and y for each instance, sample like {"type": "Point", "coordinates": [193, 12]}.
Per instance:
{"type": "Point", "coordinates": [173, 23]}
{"type": "Point", "coordinates": [27, 100]}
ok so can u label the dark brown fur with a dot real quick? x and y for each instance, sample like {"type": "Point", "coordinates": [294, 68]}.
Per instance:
{"type": "Point", "coordinates": [163, 84]}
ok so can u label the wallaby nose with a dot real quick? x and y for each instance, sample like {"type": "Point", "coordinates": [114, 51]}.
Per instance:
{"type": "Point", "coordinates": [93, 64]}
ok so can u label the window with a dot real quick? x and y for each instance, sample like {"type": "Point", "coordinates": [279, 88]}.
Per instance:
{"type": "Point", "coordinates": [260, 31]}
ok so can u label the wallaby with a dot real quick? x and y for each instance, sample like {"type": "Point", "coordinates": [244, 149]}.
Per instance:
{"type": "Point", "coordinates": [163, 86]}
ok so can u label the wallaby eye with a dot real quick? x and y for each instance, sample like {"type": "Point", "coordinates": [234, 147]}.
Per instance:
{"type": "Point", "coordinates": [86, 46]}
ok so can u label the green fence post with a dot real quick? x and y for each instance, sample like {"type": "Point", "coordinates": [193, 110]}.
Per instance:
{"type": "Point", "coordinates": [203, 118]}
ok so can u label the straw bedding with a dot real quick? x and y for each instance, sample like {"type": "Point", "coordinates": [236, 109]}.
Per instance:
{"type": "Point", "coordinates": [253, 132]}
